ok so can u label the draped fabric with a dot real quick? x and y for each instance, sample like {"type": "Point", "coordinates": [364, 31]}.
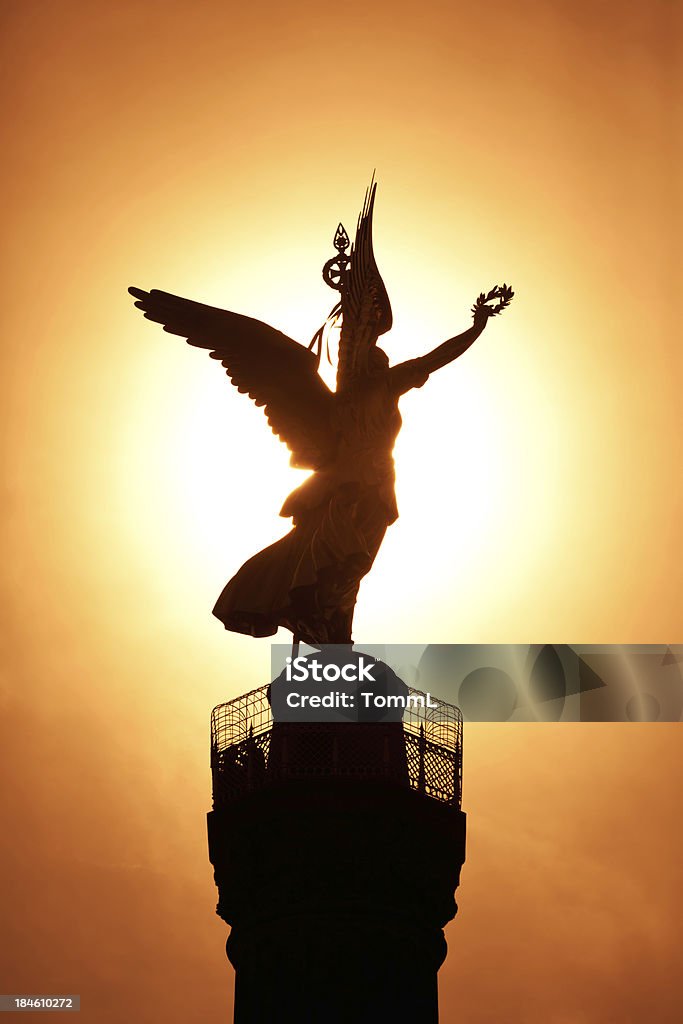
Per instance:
{"type": "Point", "coordinates": [308, 580]}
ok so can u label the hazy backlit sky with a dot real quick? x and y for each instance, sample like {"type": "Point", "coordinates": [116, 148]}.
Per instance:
{"type": "Point", "coordinates": [210, 149]}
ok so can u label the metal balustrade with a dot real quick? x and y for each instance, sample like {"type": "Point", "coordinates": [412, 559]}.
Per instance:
{"type": "Point", "coordinates": [249, 750]}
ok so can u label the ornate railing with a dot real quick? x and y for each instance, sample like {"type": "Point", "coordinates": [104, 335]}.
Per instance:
{"type": "Point", "coordinates": [249, 750]}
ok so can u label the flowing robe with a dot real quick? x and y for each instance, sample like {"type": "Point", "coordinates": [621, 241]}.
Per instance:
{"type": "Point", "coordinates": [308, 580]}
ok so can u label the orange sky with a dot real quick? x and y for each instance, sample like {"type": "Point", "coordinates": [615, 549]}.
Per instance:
{"type": "Point", "coordinates": [210, 150]}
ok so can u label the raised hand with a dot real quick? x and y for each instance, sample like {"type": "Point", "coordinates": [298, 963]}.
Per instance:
{"type": "Point", "coordinates": [481, 308]}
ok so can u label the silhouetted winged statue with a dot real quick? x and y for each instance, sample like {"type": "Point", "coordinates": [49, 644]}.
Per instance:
{"type": "Point", "coordinates": [308, 581]}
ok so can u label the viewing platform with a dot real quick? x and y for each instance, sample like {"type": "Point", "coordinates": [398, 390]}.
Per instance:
{"type": "Point", "coordinates": [250, 750]}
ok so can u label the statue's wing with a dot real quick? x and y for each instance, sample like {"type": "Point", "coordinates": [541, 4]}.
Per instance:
{"type": "Point", "coordinates": [275, 371]}
{"type": "Point", "coordinates": [366, 310]}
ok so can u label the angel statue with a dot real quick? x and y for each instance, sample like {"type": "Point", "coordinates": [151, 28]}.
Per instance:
{"type": "Point", "coordinates": [308, 580]}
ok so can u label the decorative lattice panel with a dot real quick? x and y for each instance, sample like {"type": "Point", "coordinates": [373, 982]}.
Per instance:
{"type": "Point", "coordinates": [249, 750]}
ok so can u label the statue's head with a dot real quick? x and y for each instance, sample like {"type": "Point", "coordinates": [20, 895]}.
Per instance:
{"type": "Point", "coordinates": [366, 310]}
{"type": "Point", "coordinates": [364, 306]}
{"type": "Point", "coordinates": [364, 297]}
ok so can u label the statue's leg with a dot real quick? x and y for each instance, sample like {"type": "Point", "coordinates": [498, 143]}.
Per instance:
{"type": "Point", "coordinates": [345, 536]}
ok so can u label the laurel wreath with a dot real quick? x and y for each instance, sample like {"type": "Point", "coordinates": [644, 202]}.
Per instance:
{"type": "Point", "coordinates": [503, 292]}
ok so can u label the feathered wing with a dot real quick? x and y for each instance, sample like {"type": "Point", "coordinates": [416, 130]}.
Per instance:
{"type": "Point", "coordinates": [366, 310]}
{"type": "Point", "coordinates": [276, 372]}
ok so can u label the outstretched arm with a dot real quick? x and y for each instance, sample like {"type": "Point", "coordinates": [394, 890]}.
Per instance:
{"type": "Point", "coordinates": [414, 372]}
{"type": "Point", "coordinates": [455, 347]}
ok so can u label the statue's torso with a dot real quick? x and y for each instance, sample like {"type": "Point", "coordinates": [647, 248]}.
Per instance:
{"type": "Point", "coordinates": [367, 421]}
